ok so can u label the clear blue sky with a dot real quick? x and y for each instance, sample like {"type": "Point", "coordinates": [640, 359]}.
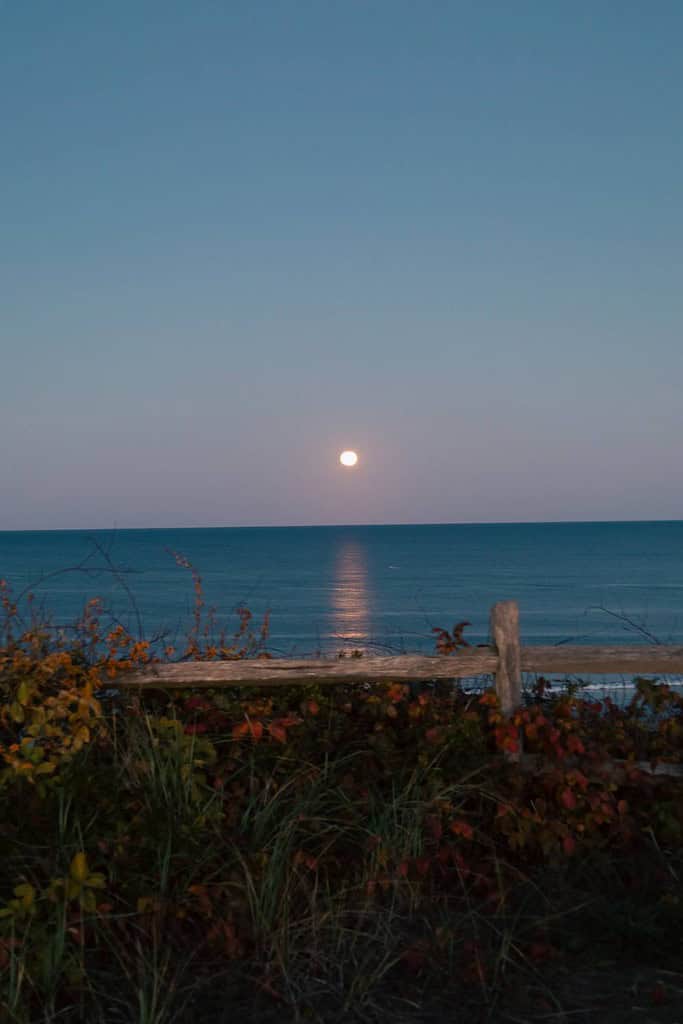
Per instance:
{"type": "Point", "coordinates": [239, 236]}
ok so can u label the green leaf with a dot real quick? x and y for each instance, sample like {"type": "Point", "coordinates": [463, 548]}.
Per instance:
{"type": "Point", "coordinates": [17, 712]}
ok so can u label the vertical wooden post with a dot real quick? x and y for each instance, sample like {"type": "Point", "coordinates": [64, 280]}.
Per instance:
{"type": "Point", "coordinates": [505, 637]}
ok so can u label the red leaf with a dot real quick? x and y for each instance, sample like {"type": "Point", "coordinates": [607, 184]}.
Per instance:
{"type": "Point", "coordinates": [193, 730]}
{"type": "Point", "coordinates": [568, 799]}
{"type": "Point", "coordinates": [462, 828]}
{"type": "Point", "coordinates": [301, 857]}
{"type": "Point", "coordinates": [256, 730]}
{"type": "Point", "coordinates": [240, 730]}
{"type": "Point", "coordinates": [248, 728]}
{"type": "Point", "coordinates": [510, 744]}
{"type": "Point", "coordinates": [568, 845]}
{"type": "Point", "coordinates": [575, 746]}
{"type": "Point", "coordinates": [396, 692]}
{"type": "Point", "coordinates": [277, 732]}
{"type": "Point", "coordinates": [434, 735]}
{"type": "Point", "coordinates": [197, 704]}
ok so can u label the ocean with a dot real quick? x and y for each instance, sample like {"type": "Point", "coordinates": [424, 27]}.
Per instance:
{"type": "Point", "coordinates": [379, 588]}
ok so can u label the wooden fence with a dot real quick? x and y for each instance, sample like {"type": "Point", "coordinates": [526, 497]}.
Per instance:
{"type": "Point", "coordinates": [505, 659]}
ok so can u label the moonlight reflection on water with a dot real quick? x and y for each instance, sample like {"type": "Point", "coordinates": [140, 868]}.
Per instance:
{"type": "Point", "coordinates": [350, 604]}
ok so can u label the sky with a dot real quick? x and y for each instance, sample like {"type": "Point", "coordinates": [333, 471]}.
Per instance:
{"type": "Point", "coordinates": [239, 236]}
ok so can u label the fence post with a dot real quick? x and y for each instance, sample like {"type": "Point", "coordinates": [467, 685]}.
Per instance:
{"type": "Point", "coordinates": [505, 637]}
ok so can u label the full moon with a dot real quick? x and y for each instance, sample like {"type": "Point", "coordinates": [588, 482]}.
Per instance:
{"type": "Point", "coordinates": [348, 458]}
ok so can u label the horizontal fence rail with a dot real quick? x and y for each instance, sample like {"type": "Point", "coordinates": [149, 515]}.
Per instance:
{"type": "Point", "coordinates": [467, 663]}
{"type": "Point", "coordinates": [505, 659]}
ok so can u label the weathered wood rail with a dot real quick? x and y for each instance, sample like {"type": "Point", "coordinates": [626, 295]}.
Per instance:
{"type": "Point", "coordinates": [505, 659]}
{"type": "Point", "coordinates": [465, 664]}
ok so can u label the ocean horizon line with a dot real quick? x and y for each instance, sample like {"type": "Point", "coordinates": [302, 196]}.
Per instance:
{"type": "Point", "coordinates": [339, 526]}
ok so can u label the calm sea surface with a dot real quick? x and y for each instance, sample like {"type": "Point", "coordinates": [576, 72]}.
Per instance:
{"type": "Point", "coordinates": [365, 586]}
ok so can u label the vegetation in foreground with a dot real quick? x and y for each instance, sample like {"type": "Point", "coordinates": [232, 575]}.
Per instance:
{"type": "Point", "coordinates": [326, 855]}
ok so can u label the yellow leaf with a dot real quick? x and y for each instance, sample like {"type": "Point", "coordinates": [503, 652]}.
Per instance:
{"type": "Point", "coordinates": [73, 889]}
{"type": "Point", "coordinates": [26, 893]}
{"type": "Point", "coordinates": [23, 693]}
{"type": "Point", "coordinates": [55, 889]}
{"type": "Point", "coordinates": [88, 901]}
{"type": "Point", "coordinates": [79, 868]}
